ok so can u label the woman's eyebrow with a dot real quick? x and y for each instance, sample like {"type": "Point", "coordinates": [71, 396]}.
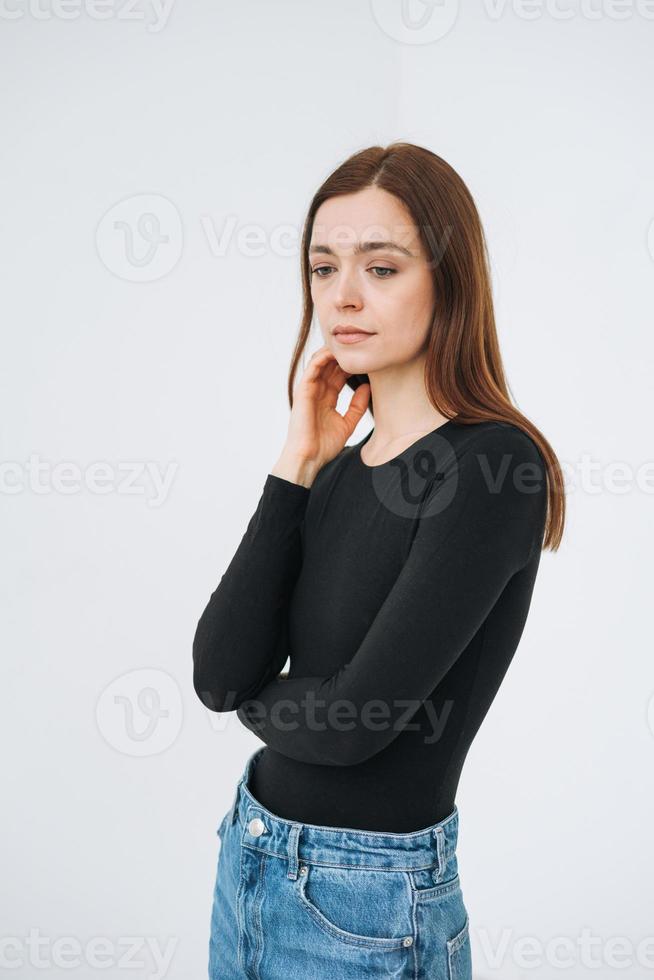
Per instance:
{"type": "Point", "coordinates": [362, 247]}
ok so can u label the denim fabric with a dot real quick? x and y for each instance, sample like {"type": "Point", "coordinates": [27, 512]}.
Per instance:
{"type": "Point", "coordinates": [297, 900]}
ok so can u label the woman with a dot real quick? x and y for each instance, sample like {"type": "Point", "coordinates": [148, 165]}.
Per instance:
{"type": "Point", "coordinates": [396, 573]}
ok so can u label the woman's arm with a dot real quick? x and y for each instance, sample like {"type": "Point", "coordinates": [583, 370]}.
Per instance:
{"type": "Point", "coordinates": [472, 537]}
{"type": "Point", "coordinates": [240, 640]}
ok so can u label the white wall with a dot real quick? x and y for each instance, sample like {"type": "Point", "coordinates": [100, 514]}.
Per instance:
{"type": "Point", "coordinates": [175, 363]}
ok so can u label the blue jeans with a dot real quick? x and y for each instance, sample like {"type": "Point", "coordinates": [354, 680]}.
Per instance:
{"type": "Point", "coordinates": [297, 900]}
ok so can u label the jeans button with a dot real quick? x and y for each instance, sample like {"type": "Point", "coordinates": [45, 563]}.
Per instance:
{"type": "Point", "coordinates": [256, 827]}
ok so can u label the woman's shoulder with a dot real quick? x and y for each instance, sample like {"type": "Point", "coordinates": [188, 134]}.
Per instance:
{"type": "Point", "coordinates": [494, 436]}
{"type": "Point", "coordinates": [491, 457]}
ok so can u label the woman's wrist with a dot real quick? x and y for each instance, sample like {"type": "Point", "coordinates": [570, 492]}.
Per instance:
{"type": "Point", "coordinates": [296, 469]}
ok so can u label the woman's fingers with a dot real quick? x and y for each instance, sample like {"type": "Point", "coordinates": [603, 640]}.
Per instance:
{"type": "Point", "coordinates": [316, 427]}
{"type": "Point", "coordinates": [322, 361]}
{"type": "Point", "coordinates": [324, 369]}
{"type": "Point", "coordinates": [317, 362]}
{"type": "Point", "coordinates": [326, 378]}
{"type": "Point", "coordinates": [357, 407]}
{"type": "Point", "coordinates": [334, 377]}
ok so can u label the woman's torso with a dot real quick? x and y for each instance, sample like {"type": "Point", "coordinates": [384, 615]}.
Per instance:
{"type": "Point", "coordinates": [355, 540]}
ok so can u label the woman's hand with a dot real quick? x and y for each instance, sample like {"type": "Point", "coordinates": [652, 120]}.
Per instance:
{"type": "Point", "coordinates": [317, 431]}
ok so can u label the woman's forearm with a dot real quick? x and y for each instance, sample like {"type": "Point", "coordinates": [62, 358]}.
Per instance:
{"type": "Point", "coordinates": [239, 642]}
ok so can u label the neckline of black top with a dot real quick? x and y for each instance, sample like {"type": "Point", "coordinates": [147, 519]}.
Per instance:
{"type": "Point", "coordinates": [412, 446]}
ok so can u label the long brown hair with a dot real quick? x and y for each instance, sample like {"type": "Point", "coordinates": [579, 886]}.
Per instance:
{"type": "Point", "coordinates": [464, 375]}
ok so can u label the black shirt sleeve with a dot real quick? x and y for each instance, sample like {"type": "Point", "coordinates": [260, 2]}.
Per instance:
{"type": "Point", "coordinates": [240, 640]}
{"type": "Point", "coordinates": [479, 526]}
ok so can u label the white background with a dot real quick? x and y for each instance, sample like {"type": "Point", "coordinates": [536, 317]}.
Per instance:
{"type": "Point", "coordinates": [174, 360]}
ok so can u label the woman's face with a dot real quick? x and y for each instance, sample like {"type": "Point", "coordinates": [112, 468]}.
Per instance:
{"type": "Point", "coordinates": [385, 290]}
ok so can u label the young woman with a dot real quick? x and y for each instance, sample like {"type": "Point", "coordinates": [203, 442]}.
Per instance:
{"type": "Point", "coordinates": [395, 573]}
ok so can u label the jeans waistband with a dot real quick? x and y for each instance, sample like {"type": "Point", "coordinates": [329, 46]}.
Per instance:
{"type": "Point", "coordinates": [431, 849]}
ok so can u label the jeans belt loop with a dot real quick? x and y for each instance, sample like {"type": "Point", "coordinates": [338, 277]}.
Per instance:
{"type": "Point", "coordinates": [235, 803]}
{"type": "Point", "coordinates": [292, 850]}
{"type": "Point", "coordinates": [439, 834]}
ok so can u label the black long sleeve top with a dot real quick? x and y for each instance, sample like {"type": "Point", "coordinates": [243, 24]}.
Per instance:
{"type": "Point", "coordinates": [400, 593]}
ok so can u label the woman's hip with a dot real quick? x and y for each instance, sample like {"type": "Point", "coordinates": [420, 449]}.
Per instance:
{"type": "Point", "coordinates": [302, 900]}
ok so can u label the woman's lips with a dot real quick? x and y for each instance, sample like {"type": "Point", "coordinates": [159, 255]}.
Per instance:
{"type": "Point", "coordinates": [352, 337]}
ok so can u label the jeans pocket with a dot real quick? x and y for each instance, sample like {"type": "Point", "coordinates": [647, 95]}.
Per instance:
{"type": "Point", "coordinates": [459, 956]}
{"type": "Point", "coordinates": [360, 906]}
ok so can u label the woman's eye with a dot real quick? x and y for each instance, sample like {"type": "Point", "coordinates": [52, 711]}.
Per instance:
{"type": "Point", "coordinates": [375, 268]}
